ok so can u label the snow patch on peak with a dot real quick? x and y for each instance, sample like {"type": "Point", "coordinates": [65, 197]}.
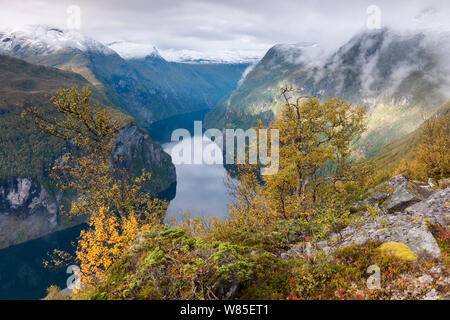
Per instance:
{"type": "Point", "coordinates": [294, 46]}
{"type": "Point", "coordinates": [42, 39]}
{"type": "Point", "coordinates": [155, 54]}
{"type": "Point", "coordinates": [131, 50]}
{"type": "Point", "coordinates": [223, 56]}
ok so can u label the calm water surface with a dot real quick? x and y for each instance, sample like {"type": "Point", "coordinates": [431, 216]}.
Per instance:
{"type": "Point", "coordinates": [200, 187]}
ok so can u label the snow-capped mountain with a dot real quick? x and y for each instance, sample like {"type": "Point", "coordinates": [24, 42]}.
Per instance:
{"type": "Point", "coordinates": [149, 88]}
{"type": "Point", "coordinates": [132, 50]}
{"type": "Point", "coordinates": [45, 40]}
{"type": "Point", "coordinates": [223, 57]}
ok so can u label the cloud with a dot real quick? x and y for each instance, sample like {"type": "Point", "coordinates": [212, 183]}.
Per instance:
{"type": "Point", "coordinates": [229, 25]}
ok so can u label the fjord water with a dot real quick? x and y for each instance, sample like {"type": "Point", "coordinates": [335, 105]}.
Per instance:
{"type": "Point", "coordinates": [22, 273]}
{"type": "Point", "coordinates": [199, 188]}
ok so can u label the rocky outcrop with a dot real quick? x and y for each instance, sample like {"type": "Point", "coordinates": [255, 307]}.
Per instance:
{"type": "Point", "coordinates": [404, 211]}
{"type": "Point", "coordinates": [395, 227]}
{"type": "Point", "coordinates": [405, 193]}
{"type": "Point", "coordinates": [436, 208]}
{"type": "Point", "coordinates": [136, 151]}
{"type": "Point", "coordinates": [29, 209]}
{"type": "Point", "coordinates": [405, 208]}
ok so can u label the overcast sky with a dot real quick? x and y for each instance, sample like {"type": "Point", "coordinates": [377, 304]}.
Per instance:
{"type": "Point", "coordinates": [244, 26]}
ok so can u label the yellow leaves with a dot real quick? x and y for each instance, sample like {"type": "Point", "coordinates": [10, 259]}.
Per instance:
{"type": "Point", "coordinates": [104, 243]}
{"type": "Point", "coordinates": [432, 154]}
{"type": "Point", "coordinates": [313, 135]}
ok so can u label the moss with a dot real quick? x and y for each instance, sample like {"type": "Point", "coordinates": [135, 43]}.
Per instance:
{"type": "Point", "coordinates": [399, 250]}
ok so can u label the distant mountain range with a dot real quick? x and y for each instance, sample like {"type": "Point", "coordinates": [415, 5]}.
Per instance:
{"type": "Point", "coordinates": [401, 77]}
{"type": "Point", "coordinates": [132, 50]}
{"type": "Point", "coordinates": [148, 88]}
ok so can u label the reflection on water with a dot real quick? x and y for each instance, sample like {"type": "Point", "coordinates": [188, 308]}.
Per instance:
{"type": "Point", "coordinates": [200, 187]}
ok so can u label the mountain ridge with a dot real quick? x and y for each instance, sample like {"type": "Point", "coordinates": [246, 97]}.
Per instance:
{"type": "Point", "coordinates": [140, 87]}
{"type": "Point", "coordinates": [398, 76]}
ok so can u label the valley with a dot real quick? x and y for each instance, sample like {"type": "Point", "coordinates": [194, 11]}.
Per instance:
{"type": "Point", "coordinates": [335, 134]}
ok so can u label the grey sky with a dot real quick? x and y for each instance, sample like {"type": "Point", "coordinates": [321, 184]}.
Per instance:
{"type": "Point", "coordinates": [232, 25]}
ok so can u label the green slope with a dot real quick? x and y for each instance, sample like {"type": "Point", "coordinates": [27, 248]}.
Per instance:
{"type": "Point", "coordinates": [404, 147]}
{"type": "Point", "coordinates": [23, 150]}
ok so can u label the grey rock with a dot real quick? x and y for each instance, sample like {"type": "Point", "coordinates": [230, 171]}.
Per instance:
{"type": "Point", "coordinates": [18, 196]}
{"type": "Point", "coordinates": [435, 208]}
{"type": "Point", "coordinates": [432, 183]}
{"type": "Point", "coordinates": [432, 295]}
{"type": "Point", "coordinates": [426, 279]}
{"type": "Point", "coordinates": [436, 269]}
{"type": "Point", "coordinates": [404, 193]}
{"type": "Point", "coordinates": [391, 227]}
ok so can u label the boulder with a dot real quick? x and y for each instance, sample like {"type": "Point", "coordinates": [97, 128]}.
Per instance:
{"type": "Point", "coordinates": [436, 208]}
{"type": "Point", "coordinates": [391, 228]}
{"type": "Point", "coordinates": [404, 193]}
{"type": "Point", "coordinates": [373, 199]}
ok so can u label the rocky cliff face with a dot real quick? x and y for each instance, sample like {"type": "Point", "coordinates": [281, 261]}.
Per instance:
{"type": "Point", "coordinates": [30, 209]}
{"type": "Point", "coordinates": [137, 151]}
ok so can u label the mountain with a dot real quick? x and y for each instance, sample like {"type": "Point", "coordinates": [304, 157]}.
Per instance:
{"type": "Point", "coordinates": [29, 202]}
{"type": "Point", "coordinates": [404, 148]}
{"type": "Point", "coordinates": [149, 89]}
{"type": "Point", "coordinates": [186, 87]}
{"type": "Point", "coordinates": [132, 50]}
{"type": "Point", "coordinates": [400, 77]}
